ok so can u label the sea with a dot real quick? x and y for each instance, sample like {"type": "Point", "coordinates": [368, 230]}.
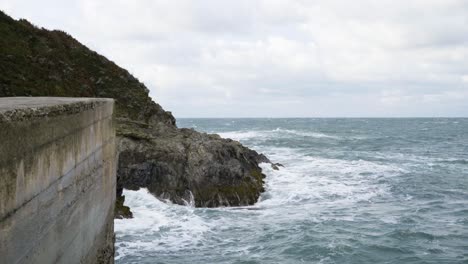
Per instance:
{"type": "Point", "coordinates": [352, 190]}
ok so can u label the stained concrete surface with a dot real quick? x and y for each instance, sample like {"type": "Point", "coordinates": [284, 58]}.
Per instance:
{"type": "Point", "coordinates": [57, 180]}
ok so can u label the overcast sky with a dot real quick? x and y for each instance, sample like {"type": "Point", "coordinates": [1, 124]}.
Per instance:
{"type": "Point", "coordinates": [278, 58]}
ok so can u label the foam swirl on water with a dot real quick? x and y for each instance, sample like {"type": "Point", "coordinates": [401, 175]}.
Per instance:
{"type": "Point", "coordinates": [157, 226]}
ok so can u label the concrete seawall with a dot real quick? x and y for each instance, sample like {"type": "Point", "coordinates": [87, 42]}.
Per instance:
{"type": "Point", "coordinates": [58, 163]}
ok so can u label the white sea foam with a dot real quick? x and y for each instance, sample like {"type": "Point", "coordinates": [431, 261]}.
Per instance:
{"type": "Point", "coordinates": [275, 133]}
{"type": "Point", "coordinates": [304, 133]}
{"type": "Point", "coordinates": [306, 188]}
{"type": "Point", "coordinates": [176, 226]}
{"type": "Point", "coordinates": [242, 135]}
{"type": "Point", "coordinates": [320, 180]}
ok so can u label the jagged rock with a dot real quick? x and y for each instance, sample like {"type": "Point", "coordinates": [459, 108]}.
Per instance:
{"type": "Point", "coordinates": [120, 210]}
{"type": "Point", "coordinates": [182, 164]}
{"type": "Point", "coordinates": [276, 166]}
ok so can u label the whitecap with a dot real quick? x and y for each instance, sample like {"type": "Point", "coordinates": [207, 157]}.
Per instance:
{"type": "Point", "coordinates": [305, 133]}
{"type": "Point", "coordinates": [320, 180]}
{"type": "Point", "coordinates": [275, 133]}
{"type": "Point", "coordinates": [241, 135]}
{"type": "Point", "coordinates": [177, 227]}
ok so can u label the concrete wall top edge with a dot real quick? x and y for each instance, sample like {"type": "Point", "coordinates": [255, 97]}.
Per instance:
{"type": "Point", "coordinates": [25, 108]}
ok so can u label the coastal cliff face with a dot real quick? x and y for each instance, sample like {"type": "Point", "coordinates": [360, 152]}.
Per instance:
{"type": "Point", "coordinates": [58, 162]}
{"type": "Point", "coordinates": [177, 164]}
{"type": "Point", "coordinates": [186, 166]}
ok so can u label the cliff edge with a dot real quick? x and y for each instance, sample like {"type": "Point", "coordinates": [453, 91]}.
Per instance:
{"type": "Point", "coordinates": [182, 165]}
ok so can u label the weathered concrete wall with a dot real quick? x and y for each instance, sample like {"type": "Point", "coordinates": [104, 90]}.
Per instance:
{"type": "Point", "coordinates": [57, 180]}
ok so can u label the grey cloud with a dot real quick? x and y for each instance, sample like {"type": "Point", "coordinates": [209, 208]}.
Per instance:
{"type": "Point", "coordinates": [257, 58]}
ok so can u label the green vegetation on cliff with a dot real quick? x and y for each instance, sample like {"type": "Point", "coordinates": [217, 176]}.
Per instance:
{"type": "Point", "coordinates": [39, 62]}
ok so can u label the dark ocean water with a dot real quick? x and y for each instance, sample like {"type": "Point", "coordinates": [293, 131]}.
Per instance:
{"type": "Point", "coordinates": [352, 191]}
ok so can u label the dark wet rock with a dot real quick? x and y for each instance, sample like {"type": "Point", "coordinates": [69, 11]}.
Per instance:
{"type": "Point", "coordinates": [276, 166]}
{"type": "Point", "coordinates": [262, 159]}
{"type": "Point", "coordinates": [183, 165]}
{"type": "Point", "coordinates": [120, 210]}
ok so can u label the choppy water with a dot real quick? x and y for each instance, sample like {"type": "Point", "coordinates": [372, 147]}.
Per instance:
{"type": "Point", "coordinates": [352, 191]}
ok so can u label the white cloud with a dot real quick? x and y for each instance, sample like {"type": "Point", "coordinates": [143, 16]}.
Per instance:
{"type": "Point", "coordinates": [256, 57]}
{"type": "Point", "coordinates": [464, 78]}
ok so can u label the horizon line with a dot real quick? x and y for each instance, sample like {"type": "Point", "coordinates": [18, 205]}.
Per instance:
{"type": "Point", "coordinates": [322, 117]}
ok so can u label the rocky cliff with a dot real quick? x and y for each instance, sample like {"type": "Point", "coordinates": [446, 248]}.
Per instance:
{"type": "Point", "coordinates": [176, 164]}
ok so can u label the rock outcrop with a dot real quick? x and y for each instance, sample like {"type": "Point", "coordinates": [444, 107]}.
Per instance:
{"type": "Point", "coordinates": [181, 165]}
